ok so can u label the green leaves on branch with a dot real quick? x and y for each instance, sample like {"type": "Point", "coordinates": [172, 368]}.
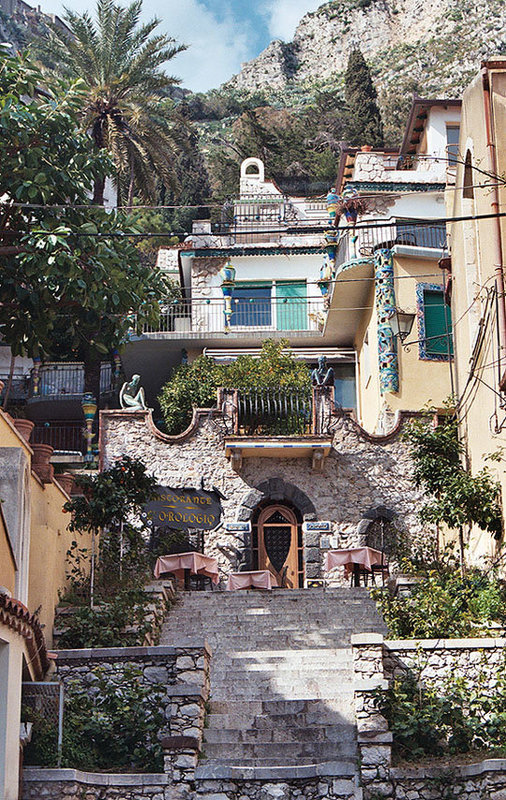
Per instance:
{"type": "Point", "coordinates": [68, 272]}
{"type": "Point", "coordinates": [194, 385]}
{"type": "Point", "coordinates": [456, 498]}
{"type": "Point", "coordinates": [111, 497]}
{"type": "Point", "coordinates": [428, 719]}
{"type": "Point", "coordinates": [443, 604]}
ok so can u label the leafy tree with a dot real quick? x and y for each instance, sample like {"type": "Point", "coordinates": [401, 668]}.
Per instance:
{"type": "Point", "coordinates": [456, 498]}
{"type": "Point", "coordinates": [67, 271]}
{"type": "Point", "coordinates": [364, 124]}
{"type": "Point", "coordinates": [121, 63]}
{"type": "Point", "coordinates": [194, 385]}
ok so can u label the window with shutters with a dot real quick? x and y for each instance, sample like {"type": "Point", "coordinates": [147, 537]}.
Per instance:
{"type": "Point", "coordinates": [434, 323]}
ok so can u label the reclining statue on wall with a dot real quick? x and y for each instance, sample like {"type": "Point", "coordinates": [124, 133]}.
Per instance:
{"type": "Point", "coordinates": [131, 396]}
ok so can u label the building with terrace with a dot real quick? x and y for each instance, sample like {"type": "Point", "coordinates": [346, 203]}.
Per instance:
{"type": "Point", "coordinates": [276, 244]}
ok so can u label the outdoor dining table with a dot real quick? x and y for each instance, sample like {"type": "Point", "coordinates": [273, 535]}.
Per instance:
{"type": "Point", "coordinates": [186, 564]}
{"type": "Point", "coordinates": [257, 579]}
{"type": "Point", "coordinates": [354, 560]}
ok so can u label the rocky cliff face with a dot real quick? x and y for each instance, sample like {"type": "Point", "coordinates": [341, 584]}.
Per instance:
{"type": "Point", "coordinates": [436, 40]}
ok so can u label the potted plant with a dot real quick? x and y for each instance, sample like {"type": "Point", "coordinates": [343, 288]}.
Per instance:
{"type": "Point", "coordinates": [351, 205]}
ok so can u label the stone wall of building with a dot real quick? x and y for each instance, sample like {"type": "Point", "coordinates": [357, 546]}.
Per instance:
{"type": "Point", "coordinates": [361, 473]}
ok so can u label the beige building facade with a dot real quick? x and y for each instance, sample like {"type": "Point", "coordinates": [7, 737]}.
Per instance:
{"type": "Point", "coordinates": [33, 544]}
{"type": "Point", "coordinates": [478, 244]}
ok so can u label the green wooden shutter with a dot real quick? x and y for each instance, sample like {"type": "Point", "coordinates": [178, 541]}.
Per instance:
{"type": "Point", "coordinates": [438, 323]}
{"type": "Point", "coordinates": [291, 305]}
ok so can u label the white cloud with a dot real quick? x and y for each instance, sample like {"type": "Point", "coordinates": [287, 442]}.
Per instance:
{"type": "Point", "coordinates": [216, 47]}
{"type": "Point", "coordinates": [283, 16]}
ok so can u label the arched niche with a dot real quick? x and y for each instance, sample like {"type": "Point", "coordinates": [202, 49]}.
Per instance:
{"type": "Point", "coordinates": [253, 170]}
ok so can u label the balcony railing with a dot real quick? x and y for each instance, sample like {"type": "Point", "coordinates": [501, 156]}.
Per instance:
{"type": "Point", "coordinates": [66, 381]}
{"type": "Point", "coordinates": [19, 387]}
{"type": "Point", "coordinates": [364, 241]}
{"type": "Point", "coordinates": [265, 315]}
{"type": "Point", "coordinates": [283, 411]}
{"type": "Point", "coordinates": [63, 438]}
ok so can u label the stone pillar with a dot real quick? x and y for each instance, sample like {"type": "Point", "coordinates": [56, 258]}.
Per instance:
{"type": "Point", "coordinates": [374, 738]}
{"type": "Point", "coordinates": [385, 309]}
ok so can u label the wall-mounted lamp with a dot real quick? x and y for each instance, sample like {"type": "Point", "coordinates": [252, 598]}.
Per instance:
{"type": "Point", "coordinates": [401, 323]}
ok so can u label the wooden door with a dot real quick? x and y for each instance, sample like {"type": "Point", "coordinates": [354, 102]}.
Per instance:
{"type": "Point", "coordinates": [278, 545]}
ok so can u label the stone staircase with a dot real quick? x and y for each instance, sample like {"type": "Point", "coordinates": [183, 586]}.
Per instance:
{"type": "Point", "coordinates": [281, 676]}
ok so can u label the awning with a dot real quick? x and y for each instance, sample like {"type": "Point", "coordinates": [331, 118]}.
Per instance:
{"type": "Point", "coordinates": [311, 354]}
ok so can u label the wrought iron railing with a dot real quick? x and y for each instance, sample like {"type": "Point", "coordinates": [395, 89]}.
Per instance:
{"type": "Point", "coordinates": [275, 412]}
{"type": "Point", "coordinates": [63, 438]}
{"type": "Point", "coordinates": [249, 314]}
{"type": "Point", "coordinates": [19, 386]}
{"type": "Point", "coordinates": [365, 240]}
{"type": "Point", "coordinates": [59, 380]}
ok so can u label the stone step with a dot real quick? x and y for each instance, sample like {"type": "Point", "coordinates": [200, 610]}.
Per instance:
{"type": "Point", "coordinates": [281, 733]}
{"type": "Point", "coordinates": [280, 705]}
{"type": "Point", "coordinates": [281, 752]}
{"type": "Point", "coordinates": [251, 671]}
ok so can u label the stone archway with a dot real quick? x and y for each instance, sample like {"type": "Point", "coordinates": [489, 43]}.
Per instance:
{"type": "Point", "coordinates": [276, 490]}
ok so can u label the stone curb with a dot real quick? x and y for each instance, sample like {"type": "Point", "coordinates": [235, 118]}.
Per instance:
{"type": "Point", "coordinates": [329, 769]}
{"type": "Point", "coordinates": [444, 644]}
{"type": "Point", "coordinates": [465, 770]}
{"type": "Point", "coordinates": [35, 774]}
{"type": "Point", "coordinates": [367, 638]}
{"type": "Point", "coordinates": [130, 652]}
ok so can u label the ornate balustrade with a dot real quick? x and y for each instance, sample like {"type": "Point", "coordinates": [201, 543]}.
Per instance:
{"type": "Point", "coordinates": [59, 380]}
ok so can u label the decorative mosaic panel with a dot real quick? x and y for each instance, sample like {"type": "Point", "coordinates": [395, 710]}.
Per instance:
{"type": "Point", "coordinates": [385, 308]}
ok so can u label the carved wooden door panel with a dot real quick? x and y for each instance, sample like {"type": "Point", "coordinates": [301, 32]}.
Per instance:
{"type": "Point", "coordinates": [278, 545]}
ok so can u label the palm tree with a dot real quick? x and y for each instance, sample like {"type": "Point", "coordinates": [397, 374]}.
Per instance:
{"type": "Point", "coordinates": [126, 100]}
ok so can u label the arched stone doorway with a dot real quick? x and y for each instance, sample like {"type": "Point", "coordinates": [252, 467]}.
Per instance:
{"type": "Point", "coordinates": [277, 543]}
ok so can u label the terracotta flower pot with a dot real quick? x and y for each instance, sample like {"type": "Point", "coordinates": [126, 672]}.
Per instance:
{"type": "Point", "coordinates": [40, 462]}
{"type": "Point", "coordinates": [24, 427]}
{"type": "Point", "coordinates": [66, 481]}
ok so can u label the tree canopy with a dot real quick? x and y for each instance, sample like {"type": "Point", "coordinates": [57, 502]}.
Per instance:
{"type": "Point", "coordinates": [68, 268]}
{"type": "Point", "coordinates": [125, 98]}
{"type": "Point", "coordinates": [364, 125]}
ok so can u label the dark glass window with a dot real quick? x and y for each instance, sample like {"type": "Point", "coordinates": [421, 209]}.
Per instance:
{"type": "Point", "coordinates": [251, 305]}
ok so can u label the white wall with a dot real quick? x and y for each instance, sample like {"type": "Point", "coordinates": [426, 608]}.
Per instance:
{"type": "Point", "coordinates": [436, 128]}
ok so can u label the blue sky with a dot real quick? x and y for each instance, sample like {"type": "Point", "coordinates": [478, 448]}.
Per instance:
{"type": "Point", "coordinates": [220, 33]}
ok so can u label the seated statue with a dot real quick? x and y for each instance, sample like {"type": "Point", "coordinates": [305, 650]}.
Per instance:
{"type": "Point", "coordinates": [132, 395]}
{"type": "Point", "coordinates": [322, 375]}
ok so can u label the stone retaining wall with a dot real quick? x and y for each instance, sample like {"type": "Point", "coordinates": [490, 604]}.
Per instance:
{"type": "Point", "coordinates": [376, 662]}
{"type": "Point", "coordinates": [182, 672]}
{"type": "Point", "coordinates": [69, 784]}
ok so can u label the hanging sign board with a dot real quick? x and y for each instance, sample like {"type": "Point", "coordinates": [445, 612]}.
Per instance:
{"type": "Point", "coordinates": [184, 509]}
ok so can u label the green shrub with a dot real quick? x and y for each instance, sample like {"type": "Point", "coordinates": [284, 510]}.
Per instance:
{"type": "Point", "coordinates": [115, 727]}
{"type": "Point", "coordinates": [194, 385]}
{"type": "Point", "coordinates": [445, 604]}
{"type": "Point", "coordinates": [429, 720]}
{"type": "Point", "coordinates": [124, 621]}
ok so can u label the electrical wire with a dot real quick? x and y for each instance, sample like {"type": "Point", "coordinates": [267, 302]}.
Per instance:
{"type": "Point", "coordinates": [236, 200]}
{"type": "Point", "coordinates": [287, 231]}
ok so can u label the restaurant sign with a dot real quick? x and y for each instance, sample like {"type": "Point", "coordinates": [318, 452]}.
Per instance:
{"type": "Point", "coordinates": [184, 509]}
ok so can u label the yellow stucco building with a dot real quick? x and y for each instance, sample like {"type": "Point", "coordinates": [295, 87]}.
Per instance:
{"type": "Point", "coordinates": [478, 245]}
{"type": "Point", "coordinates": [33, 545]}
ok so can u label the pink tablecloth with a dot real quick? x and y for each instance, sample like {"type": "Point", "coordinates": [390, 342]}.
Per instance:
{"type": "Point", "coordinates": [365, 557]}
{"type": "Point", "coordinates": [259, 579]}
{"type": "Point", "coordinates": [195, 562]}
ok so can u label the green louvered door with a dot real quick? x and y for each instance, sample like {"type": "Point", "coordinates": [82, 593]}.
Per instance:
{"type": "Point", "coordinates": [291, 305]}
